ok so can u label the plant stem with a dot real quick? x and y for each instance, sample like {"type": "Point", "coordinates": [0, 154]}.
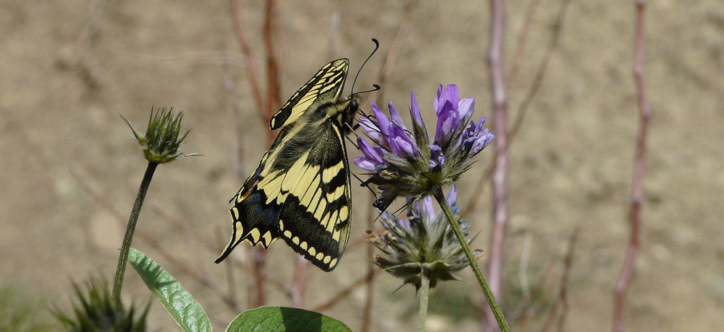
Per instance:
{"type": "Point", "coordinates": [424, 293]}
{"type": "Point", "coordinates": [440, 197]}
{"type": "Point", "coordinates": [128, 238]}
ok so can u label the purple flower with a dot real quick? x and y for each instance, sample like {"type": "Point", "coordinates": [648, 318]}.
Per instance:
{"type": "Point", "coordinates": [437, 158]}
{"type": "Point", "coordinates": [383, 125]}
{"type": "Point", "coordinates": [401, 143]}
{"type": "Point", "coordinates": [371, 130]}
{"type": "Point", "coordinates": [395, 116]}
{"type": "Point", "coordinates": [427, 208]}
{"type": "Point", "coordinates": [466, 107]}
{"type": "Point", "coordinates": [415, 111]}
{"type": "Point", "coordinates": [452, 196]}
{"type": "Point", "coordinates": [447, 123]}
{"type": "Point", "coordinates": [405, 163]}
{"type": "Point", "coordinates": [450, 94]}
{"type": "Point", "coordinates": [475, 137]}
{"type": "Point", "coordinates": [452, 114]}
{"type": "Point", "coordinates": [372, 157]}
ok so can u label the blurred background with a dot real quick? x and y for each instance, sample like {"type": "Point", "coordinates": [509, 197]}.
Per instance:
{"type": "Point", "coordinates": [70, 68]}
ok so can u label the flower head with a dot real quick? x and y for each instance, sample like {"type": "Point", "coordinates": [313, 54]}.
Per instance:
{"type": "Point", "coordinates": [163, 136]}
{"type": "Point", "coordinates": [406, 162]}
{"type": "Point", "coordinates": [422, 243]}
{"type": "Point", "coordinates": [100, 312]}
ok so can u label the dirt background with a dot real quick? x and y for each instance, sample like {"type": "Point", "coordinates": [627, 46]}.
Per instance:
{"type": "Point", "coordinates": [68, 69]}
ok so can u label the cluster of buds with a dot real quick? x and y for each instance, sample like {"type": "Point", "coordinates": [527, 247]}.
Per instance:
{"type": "Point", "coordinates": [163, 136]}
{"type": "Point", "coordinates": [423, 244]}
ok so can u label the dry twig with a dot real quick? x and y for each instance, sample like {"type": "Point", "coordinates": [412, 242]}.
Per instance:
{"type": "Point", "coordinates": [639, 168]}
{"type": "Point", "coordinates": [402, 30]}
{"type": "Point", "coordinates": [345, 292]}
{"type": "Point", "coordinates": [562, 299]}
{"type": "Point", "coordinates": [521, 40]}
{"type": "Point", "coordinates": [500, 173]}
{"type": "Point", "coordinates": [525, 103]}
{"type": "Point", "coordinates": [248, 59]}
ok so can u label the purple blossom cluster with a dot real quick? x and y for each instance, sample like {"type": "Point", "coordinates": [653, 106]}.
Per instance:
{"type": "Point", "coordinates": [405, 162]}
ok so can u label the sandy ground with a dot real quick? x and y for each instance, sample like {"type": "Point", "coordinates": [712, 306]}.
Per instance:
{"type": "Point", "coordinates": [70, 68]}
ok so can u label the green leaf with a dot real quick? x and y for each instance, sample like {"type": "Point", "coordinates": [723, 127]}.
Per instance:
{"type": "Point", "coordinates": [179, 303]}
{"type": "Point", "coordinates": [284, 319]}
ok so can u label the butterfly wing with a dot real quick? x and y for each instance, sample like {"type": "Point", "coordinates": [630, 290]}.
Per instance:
{"type": "Point", "coordinates": [315, 218]}
{"type": "Point", "coordinates": [301, 189]}
{"type": "Point", "coordinates": [326, 84]}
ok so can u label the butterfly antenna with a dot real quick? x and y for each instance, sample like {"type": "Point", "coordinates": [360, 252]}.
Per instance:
{"type": "Point", "coordinates": [365, 185]}
{"type": "Point", "coordinates": [352, 142]}
{"type": "Point", "coordinates": [353, 128]}
{"type": "Point", "coordinates": [377, 46]}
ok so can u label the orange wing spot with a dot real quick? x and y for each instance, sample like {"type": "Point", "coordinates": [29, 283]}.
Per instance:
{"type": "Point", "coordinates": [246, 194]}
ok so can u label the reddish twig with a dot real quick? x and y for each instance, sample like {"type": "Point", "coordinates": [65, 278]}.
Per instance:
{"type": "Point", "coordinates": [541, 71]}
{"type": "Point", "coordinates": [236, 111]}
{"type": "Point", "coordinates": [255, 265]}
{"type": "Point", "coordinates": [521, 40]}
{"type": "Point", "coordinates": [298, 283]}
{"type": "Point", "coordinates": [248, 59]}
{"type": "Point", "coordinates": [371, 268]}
{"type": "Point", "coordinates": [639, 167]}
{"type": "Point", "coordinates": [230, 279]}
{"type": "Point", "coordinates": [500, 173]}
{"type": "Point", "coordinates": [529, 307]}
{"type": "Point", "coordinates": [525, 103]}
{"type": "Point", "coordinates": [272, 69]}
{"type": "Point", "coordinates": [562, 299]}
{"type": "Point", "coordinates": [394, 50]}
{"type": "Point", "coordinates": [346, 291]}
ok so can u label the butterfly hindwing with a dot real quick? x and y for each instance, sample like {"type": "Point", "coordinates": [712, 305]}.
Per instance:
{"type": "Point", "coordinates": [301, 189]}
{"type": "Point", "coordinates": [321, 197]}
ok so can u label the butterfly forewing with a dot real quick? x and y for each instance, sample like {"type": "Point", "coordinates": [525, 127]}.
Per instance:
{"type": "Point", "coordinates": [326, 84]}
{"type": "Point", "coordinates": [301, 189]}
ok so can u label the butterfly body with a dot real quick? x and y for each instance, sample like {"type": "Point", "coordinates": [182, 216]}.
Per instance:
{"type": "Point", "coordinates": [300, 191]}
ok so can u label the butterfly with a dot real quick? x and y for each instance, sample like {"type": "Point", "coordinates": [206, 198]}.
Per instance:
{"type": "Point", "coordinates": [301, 190]}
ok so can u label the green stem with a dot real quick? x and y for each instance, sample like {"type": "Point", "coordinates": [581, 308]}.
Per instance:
{"type": "Point", "coordinates": [424, 293]}
{"type": "Point", "coordinates": [440, 197]}
{"type": "Point", "coordinates": [128, 238]}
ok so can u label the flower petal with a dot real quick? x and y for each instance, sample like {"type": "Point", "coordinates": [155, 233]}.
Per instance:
{"type": "Point", "coordinates": [382, 122]}
{"type": "Point", "coordinates": [439, 100]}
{"type": "Point", "coordinates": [452, 94]}
{"type": "Point", "coordinates": [415, 111]}
{"type": "Point", "coordinates": [401, 143]}
{"type": "Point", "coordinates": [368, 150]}
{"type": "Point", "coordinates": [447, 123]}
{"type": "Point", "coordinates": [482, 141]}
{"type": "Point", "coordinates": [427, 208]}
{"type": "Point", "coordinates": [365, 164]}
{"type": "Point", "coordinates": [466, 107]}
{"type": "Point", "coordinates": [371, 130]}
{"type": "Point", "coordinates": [452, 196]}
{"type": "Point", "coordinates": [395, 116]}
{"type": "Point", "coordinates": [437, 158]}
